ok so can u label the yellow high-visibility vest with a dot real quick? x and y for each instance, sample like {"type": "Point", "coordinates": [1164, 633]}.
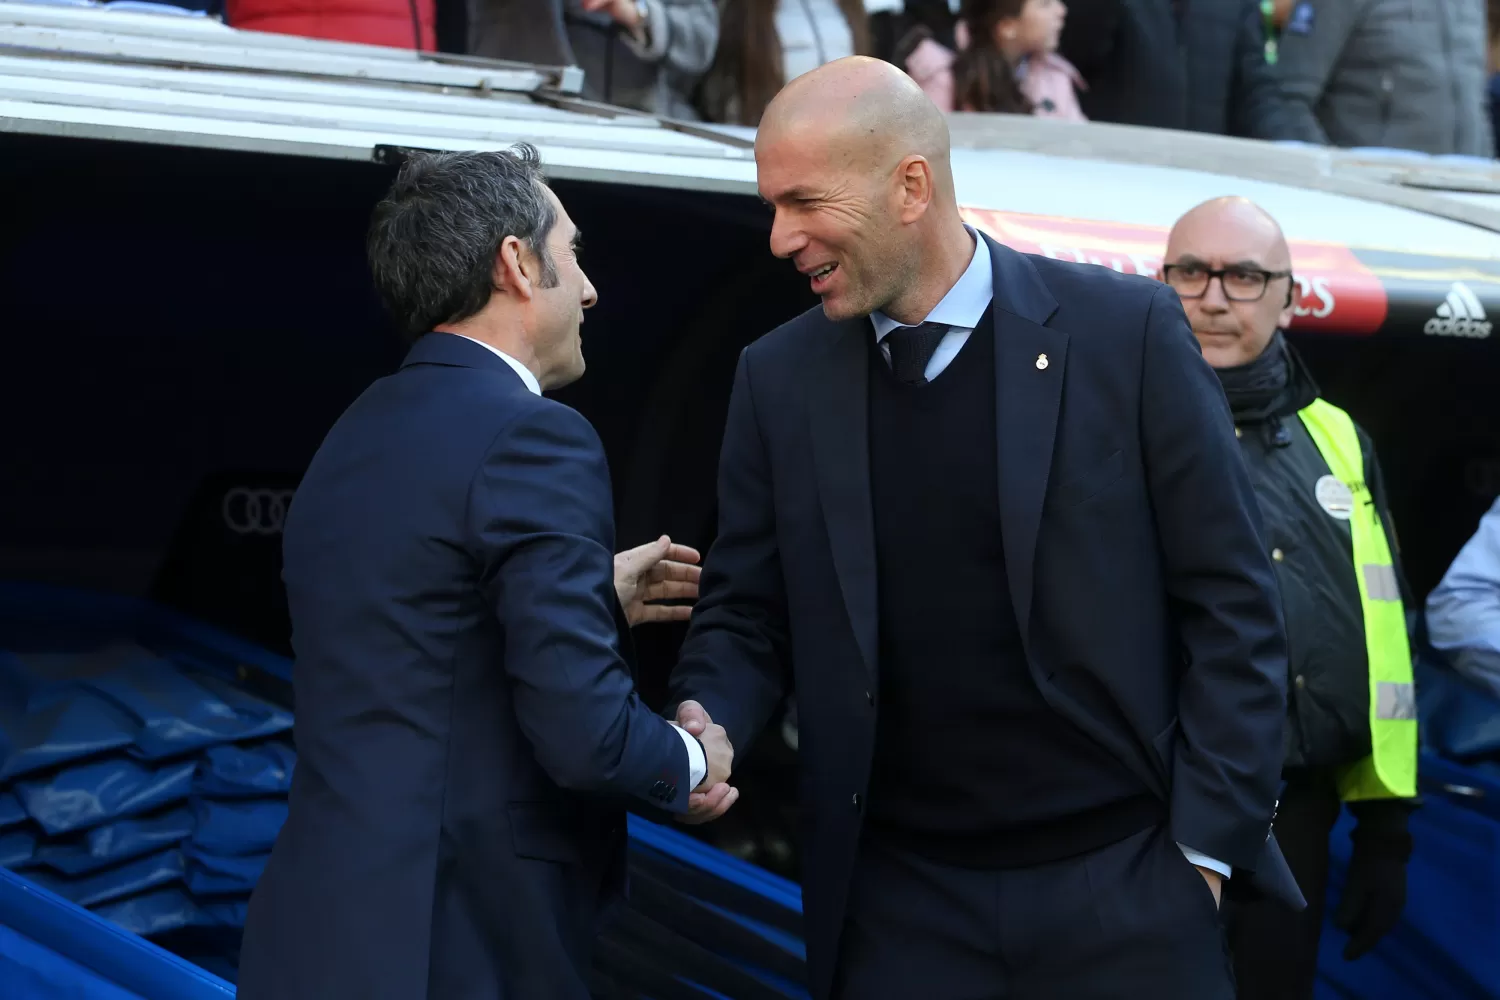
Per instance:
{"type": "Point", "coordinates": [1390, 771]}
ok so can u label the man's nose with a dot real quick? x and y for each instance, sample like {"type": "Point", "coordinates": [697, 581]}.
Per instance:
{"type": "Point", "coordinates": [1213, 297]}
{"type": "Point", "coordinates": [786, 238]}
{"type": "Point", "coordinates": [590, 297]}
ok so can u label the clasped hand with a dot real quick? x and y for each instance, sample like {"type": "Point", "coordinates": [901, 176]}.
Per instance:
{"type": "Point", "coordinates": [714, 796]}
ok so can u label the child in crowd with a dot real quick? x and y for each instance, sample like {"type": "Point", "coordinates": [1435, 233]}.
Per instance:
{"type": "Point", "coordinates": [1007, 61]}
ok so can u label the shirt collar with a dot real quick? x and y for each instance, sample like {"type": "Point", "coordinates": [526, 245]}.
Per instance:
{"type": "Point", "coordinates": [520, 369]}
{"type": "Point", "coordinates": [965, 302]}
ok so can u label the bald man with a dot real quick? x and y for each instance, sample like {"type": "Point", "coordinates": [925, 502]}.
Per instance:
{"type": "Point", "coordinates": [1327, 529]}
{"type": "Point", "coordinates": [985, 512]}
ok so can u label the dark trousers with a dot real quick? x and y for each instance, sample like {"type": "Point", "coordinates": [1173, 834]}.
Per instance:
{"type": "Point", "coordinates": [1276, 948]}
{"type": "Point", "coordinates": [1127, 921]}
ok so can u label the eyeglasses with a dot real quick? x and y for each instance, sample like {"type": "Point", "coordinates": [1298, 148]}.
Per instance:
{"type": "Point", "coordinates": [1240, 284]}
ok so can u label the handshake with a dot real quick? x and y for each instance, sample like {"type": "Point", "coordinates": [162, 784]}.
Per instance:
{"type": "Point", "coordinates": [714, 796]}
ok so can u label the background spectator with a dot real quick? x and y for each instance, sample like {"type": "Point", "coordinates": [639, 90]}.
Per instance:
{"type": "Point", "coordinates": [641, 54]}
{"type": "Point", "coordinates": [1007, 61]}
{"type": "Point", "coordinates": [1463, 612]}
{"type": "Point", "coordinates": [402, 24]}
{"type": "Point", "coordinates": [1184, 64]}
{"type": "Point", "coordinates": [1492, 18]}
{"type": "Point", "coordinates": [896, 26]}
{"type": "Point", "coordinates": [768, 43]}
{"type": "Point", "coordinates": [1390, 73]}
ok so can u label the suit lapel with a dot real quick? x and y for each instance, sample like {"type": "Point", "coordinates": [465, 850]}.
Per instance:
{"type": "Point", "coordinates": [839, 419]}
{"type": "Point", "coordinates": [1030, 362]}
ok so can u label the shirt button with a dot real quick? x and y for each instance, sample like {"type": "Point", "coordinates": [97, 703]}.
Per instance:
{"type": "Point", "coordinates": [1278, 555]}
{"type": "Point", "coordinates": [856, 800]}
{"type": "Point", "coordinates": [869, 698]}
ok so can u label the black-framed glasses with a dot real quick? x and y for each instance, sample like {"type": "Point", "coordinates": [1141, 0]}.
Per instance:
{"type": "Point", "coordinates": [1240, 283]}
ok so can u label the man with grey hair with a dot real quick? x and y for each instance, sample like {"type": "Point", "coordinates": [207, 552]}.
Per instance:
{"type": "Point", "coordinates": [467, 724]}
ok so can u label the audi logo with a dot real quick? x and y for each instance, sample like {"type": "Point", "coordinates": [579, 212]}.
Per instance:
{"type": "Point", "coordinates": [255, 511]}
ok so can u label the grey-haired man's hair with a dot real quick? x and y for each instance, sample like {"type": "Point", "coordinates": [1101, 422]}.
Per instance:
{"type": "Point", "coordinates": [433, 238]}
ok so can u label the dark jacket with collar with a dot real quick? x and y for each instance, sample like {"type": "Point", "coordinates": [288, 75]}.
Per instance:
{"type": "Point", "coordinates": [1328, 686]}
{"type": "Point", "coordinates": [1153, 627]}
{"type": "Point", "coordinates": [460, 692]}
{"type": "Point", "coordinates": [1198, 66]}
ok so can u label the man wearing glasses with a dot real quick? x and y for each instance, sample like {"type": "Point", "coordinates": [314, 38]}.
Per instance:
{"type": "Point", "coordinates": [1333, 546]}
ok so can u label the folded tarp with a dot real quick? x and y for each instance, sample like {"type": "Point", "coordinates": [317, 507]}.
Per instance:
{"type": "Point", "coordinates": [173, 908]}
{"type": "Point", "coordinates": [17, 849]}
{"type": "Point", "coordinates": [109, 884]}
{"type": "Point", "coordinates": [171, 711]}
{"type": "Point", "coordinates": [236, 772]}
{"type": "Point", "coordinates": [89, 794]}
{"type": "Point", "coordinates": [149, 914]}
{"type": "Point", "coordinates": [113, 843]}
{"type": "Point", "coordinates": [11, 813]}
{"type": "Point", "coordinates": [43, 727]}
{"type": "Point", "coordinates": [211, 875]}
{"type": "Point", "coordinates": [237, 828]}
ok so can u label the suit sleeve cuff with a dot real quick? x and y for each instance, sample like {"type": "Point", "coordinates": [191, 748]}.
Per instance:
{"type": "Point", "coordinates": [697, 765]}
{"type": "Point", "coordinates": [1204, 861]}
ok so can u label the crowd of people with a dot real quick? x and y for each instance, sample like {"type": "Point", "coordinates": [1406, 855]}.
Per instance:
{"type": "Point", "coordinates": [1351, 73]}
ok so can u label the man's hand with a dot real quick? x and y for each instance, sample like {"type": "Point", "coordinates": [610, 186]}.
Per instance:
{"type": "Point", "coordinates": [657, 571]}
{"type": "Point", "coordinates": [1214, 879]}
{"type": "Point", "coordinates": [625, 12]}
{"type": "Point", "coordinates": [713, 797]}
{"type": "Point", "coordinates": [719, 754]}
{"type": "Point", "coordinates": [1375, 889]}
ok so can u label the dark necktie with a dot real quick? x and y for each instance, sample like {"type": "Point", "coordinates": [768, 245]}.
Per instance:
{"type": "Point", "coordinates": [911, 349]}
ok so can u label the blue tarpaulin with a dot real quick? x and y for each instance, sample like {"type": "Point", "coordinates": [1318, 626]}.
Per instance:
{"type": "Point", "coordinates": [113, 788]}
{"type": "Point", "coordinates": [115, 842]}
{"type": "Point", "coordinates": [699, 924]}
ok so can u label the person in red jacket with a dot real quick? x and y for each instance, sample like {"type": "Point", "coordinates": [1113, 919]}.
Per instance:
{"type": "Point", "coordinates": [403, 24]}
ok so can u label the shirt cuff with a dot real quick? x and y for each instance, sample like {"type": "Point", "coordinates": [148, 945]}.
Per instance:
{"type": "Point", "coordinates": [1204, 861]}
{"type": "Point", "coordinates": [697, 765]}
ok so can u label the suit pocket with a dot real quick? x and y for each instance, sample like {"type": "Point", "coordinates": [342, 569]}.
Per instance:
{"type": "Point", "coordinates": [1092, 482]}
{"type": "Point", "coordinates": [537, 832]}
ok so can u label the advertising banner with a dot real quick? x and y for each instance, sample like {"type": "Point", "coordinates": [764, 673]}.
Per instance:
{"type": "Point", "coordinates": [1340, 290]}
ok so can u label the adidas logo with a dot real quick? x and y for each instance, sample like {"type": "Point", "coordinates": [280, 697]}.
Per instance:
{"type": "Point", "coordinates": [1460, 315]}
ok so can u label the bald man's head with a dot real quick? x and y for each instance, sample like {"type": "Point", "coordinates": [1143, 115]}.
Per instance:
{"type": "Point", "coordinates": [854, 158]}
{"type": "Point", "coordinates": [1236, 314]}
{"type": "Point", "coordinates": [862, 105]}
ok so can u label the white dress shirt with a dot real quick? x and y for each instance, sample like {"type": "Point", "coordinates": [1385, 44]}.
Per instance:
{"type": "Point", "coordinates": [961, 309]}
{"type": "Point", "coordinates": [697, 764]}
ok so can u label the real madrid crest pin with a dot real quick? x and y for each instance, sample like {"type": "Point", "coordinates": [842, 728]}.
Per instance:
{"type": "Point", "coordinates": [1041, 362]}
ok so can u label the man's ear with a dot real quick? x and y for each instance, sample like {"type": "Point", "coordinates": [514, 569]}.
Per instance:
{"type": "Point", "coordinates": [510, 269]}
{"type": "Point", "coordinates": [915, 177]}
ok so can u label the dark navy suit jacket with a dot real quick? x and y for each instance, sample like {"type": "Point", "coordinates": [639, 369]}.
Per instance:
{"type": "Point", "coordinates": [467, 730]}
{"type": "Point", "coordinates": [1149, 611]}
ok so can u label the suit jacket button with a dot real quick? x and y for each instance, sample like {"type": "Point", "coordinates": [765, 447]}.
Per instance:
{"type": "Point", "coordinates": [856, 800]}
{"type": "Point", "coordinates": [670, 792]}
{"type": "Point", "coordinates": [869, 698]}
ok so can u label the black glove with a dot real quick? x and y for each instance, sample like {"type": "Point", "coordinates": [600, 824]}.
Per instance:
{"type": "Point", "coordinates": [1375, 893]}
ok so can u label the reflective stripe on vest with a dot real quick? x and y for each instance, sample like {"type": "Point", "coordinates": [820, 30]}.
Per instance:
{"type": "Point", "coordinates": [1391, 769]}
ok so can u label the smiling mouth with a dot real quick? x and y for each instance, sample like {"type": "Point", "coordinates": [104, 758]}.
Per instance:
{"type": "Point", "coordinates": [821, 277]}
